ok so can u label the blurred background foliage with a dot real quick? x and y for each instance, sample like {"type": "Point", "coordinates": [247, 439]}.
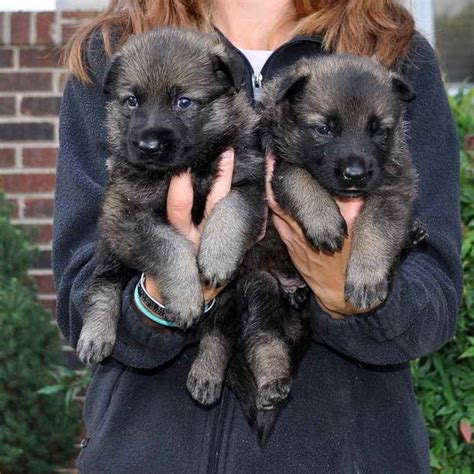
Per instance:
{"type": "Point", "coordinates": [444, 381]}
{"type": "Point", "coordinates": [37, 433]}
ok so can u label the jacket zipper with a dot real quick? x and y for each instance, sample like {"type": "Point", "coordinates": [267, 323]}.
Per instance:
{"type": "Point", "coordinates": [216, 444]}
{"type": "Point", "coordinates": [257, 80]}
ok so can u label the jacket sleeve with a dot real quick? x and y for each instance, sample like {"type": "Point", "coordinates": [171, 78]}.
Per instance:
{"type": "Point", "coordinates": [81, 175]}
{"type": "Point", "coordinates": [420, 312]}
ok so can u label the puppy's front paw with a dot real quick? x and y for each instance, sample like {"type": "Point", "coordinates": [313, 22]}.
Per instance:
{"type": "Point", "coordinates": [216, 268]}
{"type": "Point", "coordinates": [365, 287]}
{"type": "Point", "coordinates": [95, 343]}
{"type": "Point", "coordinates": [326, 233]}
{"type": "Point", "coordinates": [272, 393]}
{"type": "Point", "coordinates": [204, 387]}
{"type": "Point", "coordinates": [186, 309]}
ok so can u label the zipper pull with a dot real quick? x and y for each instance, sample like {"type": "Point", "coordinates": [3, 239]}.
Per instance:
{"type": "Point", "coordinates": [257, 79]}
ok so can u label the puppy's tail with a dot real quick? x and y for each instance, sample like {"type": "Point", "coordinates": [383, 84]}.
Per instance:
{"type": "Point", "coordinates": [241, 381]}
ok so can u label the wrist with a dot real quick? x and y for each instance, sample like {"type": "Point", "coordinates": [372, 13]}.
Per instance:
{"type": "Point", "coordinates": [153, 310]}
{"type": "Point", "coordinates": [333, 314]}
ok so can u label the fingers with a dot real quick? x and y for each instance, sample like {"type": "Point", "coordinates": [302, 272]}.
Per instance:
{"type": "Point", "coordinates": [282, 227]}
{"type": "Point", "coordinates": [272, 204]}
{"type": "Point", "coordinates": [179, 203]}
{"type": "Point", "coordinates": [263, 232]}
{"type": "Point", "coordinates": [209, 292]}
{"type": "Point", "coordinates": [223, 183]}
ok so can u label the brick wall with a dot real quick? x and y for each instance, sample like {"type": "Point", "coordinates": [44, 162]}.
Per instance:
{"type": "Point", "coordinates": [31, 82]}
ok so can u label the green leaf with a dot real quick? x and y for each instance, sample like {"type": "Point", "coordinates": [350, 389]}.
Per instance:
{"type": "Point", "coordinates": [50, 390]}
{"type": "Point", "coordinates": [468, 353]}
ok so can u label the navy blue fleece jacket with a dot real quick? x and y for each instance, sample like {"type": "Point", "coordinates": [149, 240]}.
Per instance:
{"type": "Point", "coordinates": [352, 407]}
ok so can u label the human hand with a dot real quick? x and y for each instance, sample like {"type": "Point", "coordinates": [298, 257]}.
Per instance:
{"type": "Point", "coordinates": [323, 272]}
{"type": "Point", "coordinates": [179, 205]}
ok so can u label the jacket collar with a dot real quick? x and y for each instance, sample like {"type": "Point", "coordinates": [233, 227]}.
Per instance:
{"type": "Point", "coordinates": [284, 56]}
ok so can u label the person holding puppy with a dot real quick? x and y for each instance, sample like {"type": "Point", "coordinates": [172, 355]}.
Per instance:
{"type": "Point", "coordinates": [352, 407]}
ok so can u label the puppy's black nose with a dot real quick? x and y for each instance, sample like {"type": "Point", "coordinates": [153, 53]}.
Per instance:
{"type": "Point", "coordinates": [153, 141]}
{"type": "Point", "coordinates": [354, 174]}
{"type": "Point", "coordinates": [149, 145]}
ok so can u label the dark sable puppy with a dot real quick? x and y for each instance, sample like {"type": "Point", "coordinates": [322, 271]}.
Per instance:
{"type": "Point", "coordinates": [173, 104]}
{"type": "Point", "coordinates": [335, 126]}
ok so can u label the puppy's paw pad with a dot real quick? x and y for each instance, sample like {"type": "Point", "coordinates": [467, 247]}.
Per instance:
{"type": "Point", "coordinates": [205, 391]}
{"type": "Point", "coordinates": [272, 393]}
{"type": "Point", "coordinates": [364, 296]}
{"type": "Point", "coordinates": [93, 348]}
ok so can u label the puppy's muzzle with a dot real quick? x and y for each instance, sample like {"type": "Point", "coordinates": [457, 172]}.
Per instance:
{"type": "Point", "coordinates": [354, 174]}
{"type": "Point", "coordinates": [154, 142]}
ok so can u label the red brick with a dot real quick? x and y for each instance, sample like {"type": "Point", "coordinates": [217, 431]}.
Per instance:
{"type": "Point", "coordinates": [39, 57]}
{"type": "Point", "coordinates": [20, 28]}
{"type": "Point", "coordinates": [7, 157]}
{"type": "Point", "coordinates": [49, 305]}
{"type": "Point", "coordinates": [45, 284]}
{"type": "Point", "coordinates": [68, 31]}
{"type": "Point", "coordinates": [40, 106]}
{"type": "Point", "coordinates": [7, 106]}
{"type": "Point", "coordinates": [1, 28]}
{"type": "Point", "coordinates": [25, 81]}
{"type": "Point", "coordinates": [13, 203]}
{"type": "Point", "coordinates": [469, 142]}
{"type": "Point", "coordinates": [44, 28]}
{"type": "Point", "coordinates": [79, 15]}
{"type": "Point", "coordinates": [39, 157]}
{"type": "Point", "coordinates": [27, 183]}
{"type": "Point", "coordinates": [45, 234]}
{"type": "Point", "coordinates": [26, 132]}
{"type": "Point", "coordinates": [42, 233]}
{"type": "Point", "coordinates": [6, 58]}
{"type": "Point", "coordinates": [39, 208]}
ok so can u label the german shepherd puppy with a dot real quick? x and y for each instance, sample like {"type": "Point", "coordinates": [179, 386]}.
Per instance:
{"type": "Point", "coordinates": [174, 103]}
{"type": "Point", "coordinates": [335, 127]}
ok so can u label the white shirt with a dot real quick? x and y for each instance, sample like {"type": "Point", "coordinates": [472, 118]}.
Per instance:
{"type": "Point", "coordinates": [257, 58]}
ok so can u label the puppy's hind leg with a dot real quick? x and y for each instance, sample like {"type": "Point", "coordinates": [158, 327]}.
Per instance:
{"type": "Point", "coordinates": [267, 351]}
{"type": "Point", "coordinates": [207, 373]}
{"type": "Point", "coordinates": [103, 307]}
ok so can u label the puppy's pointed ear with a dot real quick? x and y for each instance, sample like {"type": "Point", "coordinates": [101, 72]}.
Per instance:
{"type": "Point", "coordinates": [403, 90]}
{"type": "Point", "coordinates": [231, 66]}
{"type": "Point", "coordinates": [290, 86]}
{"type": "Point", "coordinates": [111, 74]}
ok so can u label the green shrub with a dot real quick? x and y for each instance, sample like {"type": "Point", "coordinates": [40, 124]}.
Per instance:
{"type": "Point", "coordinates": [37, 434]}
{"type": "Point", "coordinates": [444, 381]}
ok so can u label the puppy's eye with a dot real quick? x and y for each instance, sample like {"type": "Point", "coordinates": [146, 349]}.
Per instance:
{"type": "Point", "coordinates": [184, 103]}
{"type": "Point", "coordinates": [132, 102]}
{"type": "Point", "coordinates": [376, 130]}
{"type": "Point", "coordinates": [324, 130]}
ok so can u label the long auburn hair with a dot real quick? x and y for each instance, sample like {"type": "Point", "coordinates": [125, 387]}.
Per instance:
{"type": "Point", "coordinates": [379, 28]}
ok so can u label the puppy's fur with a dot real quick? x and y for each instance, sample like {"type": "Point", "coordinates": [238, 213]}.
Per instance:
{"type": "Point", "coordinates": [173, 104]}
{"type": "Point", "coordinates": [335, 127]}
